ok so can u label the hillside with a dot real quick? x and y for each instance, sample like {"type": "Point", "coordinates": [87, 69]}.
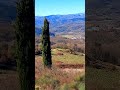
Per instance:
{"type": "Point", "coordinates": [63, 24]}
{"type": "Point", "coordinates": [102, 30]}
{"type": "Point", "coordinates": [103, 9]}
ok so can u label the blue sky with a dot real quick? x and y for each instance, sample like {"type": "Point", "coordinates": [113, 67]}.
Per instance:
{"type": "Point", "coordinates": [54, 7]}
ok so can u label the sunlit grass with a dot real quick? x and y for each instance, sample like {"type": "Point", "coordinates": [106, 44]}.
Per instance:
{"type": "Point", "coordinates": [69, 58]}
{"type": "Point", "coordinates": [66, 58]}
{"type": "Point", "coordinates": [57, 79]}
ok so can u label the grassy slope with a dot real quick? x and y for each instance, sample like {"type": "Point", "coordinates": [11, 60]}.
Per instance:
{"type": "Point", "coordinates": [57, 78]}
{"type": "Point", "coordinates": [67, 58]}
{"type": "Point", "coordinates": [97, 79]}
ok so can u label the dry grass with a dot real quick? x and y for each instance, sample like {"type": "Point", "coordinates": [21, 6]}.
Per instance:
{"type": "Point", "coordinates": [55, 78]}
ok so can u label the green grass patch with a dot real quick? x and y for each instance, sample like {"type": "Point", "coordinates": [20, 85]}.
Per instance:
{"type": "Point", "coordinates": [67, 58]}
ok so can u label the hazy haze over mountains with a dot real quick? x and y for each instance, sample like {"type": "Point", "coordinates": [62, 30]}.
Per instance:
{"type": "Point", "coordinates": [62, 24]}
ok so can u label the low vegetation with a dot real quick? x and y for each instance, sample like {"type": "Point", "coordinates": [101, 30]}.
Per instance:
{"type": "Point", "coordinates": [56, 78]}
{"type": "Point", "coordinates": [67, 57]}
{"type": "Point", "coordinates": [63, 56]}
{"type": "Point", "coordinates": [59, 80]}
{"type": "Point", "coordinates": [66, 66]}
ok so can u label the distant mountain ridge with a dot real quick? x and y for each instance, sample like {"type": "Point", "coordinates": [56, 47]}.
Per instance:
{"type": "Point", "coordinates": [63, 23]}
{"type": "Point", "coordinates": [38, 31]}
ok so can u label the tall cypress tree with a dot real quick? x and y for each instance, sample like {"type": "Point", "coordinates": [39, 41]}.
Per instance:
{"type": "Point", "coordinates": [25, 38]}
{"type": "Point", "coordinates": [46, 49]}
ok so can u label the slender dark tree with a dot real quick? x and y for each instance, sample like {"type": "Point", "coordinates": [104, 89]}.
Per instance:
{"type": "Point", "coordinates": [24, 29]}
{"type": "Point", "coordinates": [46, 49]}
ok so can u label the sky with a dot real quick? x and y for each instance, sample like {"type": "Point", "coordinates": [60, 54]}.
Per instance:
{"type": "Point", "coordinates": [62, 7]}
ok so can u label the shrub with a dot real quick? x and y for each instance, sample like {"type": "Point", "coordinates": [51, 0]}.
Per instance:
{"type": "Point", "coordinates": [73, 85]}
{"type": "Point", "coordinates": [79, 83]}
{"type": "Point", "coordinates": [48, 81]}
{"type": "Point", "coordinates": [65, 87]}
{"type": "Point", "coordinates": [37, 88]}
{"type": "Point", "coordinates": [81, 86]}
{"type": "Point", "coordinates": [80, 79]}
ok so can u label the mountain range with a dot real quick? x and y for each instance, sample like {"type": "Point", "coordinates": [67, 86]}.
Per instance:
{"type": "Point", "coordinates": [62, 24]}
{"type": "Point", "coordinates": [59, 24]}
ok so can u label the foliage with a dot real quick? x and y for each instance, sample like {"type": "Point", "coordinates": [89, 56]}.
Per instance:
{"type": "Point", "coordinates": [24, 31]}
{"type": "Point", "coordinates": [65, 87]}
{"type": "Point", "coordinates": [48, 80]}
{"type": "Point", "coordinates": [46, 49]}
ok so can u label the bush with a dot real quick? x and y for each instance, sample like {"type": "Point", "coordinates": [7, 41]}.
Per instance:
{"type": "Point", "coordinates": [74, 85]}
{"type": "Point", "coordinates": [81, 86]}
{"type": "Point", "coordinates": [78, 84]}
{"type": "Point", "coordinates": [80, 79]}
{"type": "Point", "coordinates": [37, 88]}
{"type": "Point", "coordinates": [48, 81]}
{"type": "Point", "coordinates": [65, 87]}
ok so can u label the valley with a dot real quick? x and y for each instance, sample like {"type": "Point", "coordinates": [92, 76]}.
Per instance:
{"type": "Point", "coordinates": [67, 37]}
{"type": "Point", "coordinates": [72, 24]}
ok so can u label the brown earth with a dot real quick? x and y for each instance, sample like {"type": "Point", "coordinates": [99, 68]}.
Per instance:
{"type": "Point", "coordinates": [71, 66]}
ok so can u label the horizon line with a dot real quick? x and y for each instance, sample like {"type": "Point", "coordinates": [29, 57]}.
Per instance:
{"type": "Point", "coordinates": [59, 14]}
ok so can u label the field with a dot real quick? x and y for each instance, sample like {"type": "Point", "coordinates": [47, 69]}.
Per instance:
{"type": "Point", "coordinates": [61, 55]}
{"type": "Point", "coordinates": [69, 58]}
{"type": "Point", "coordinates": [61, 78]}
